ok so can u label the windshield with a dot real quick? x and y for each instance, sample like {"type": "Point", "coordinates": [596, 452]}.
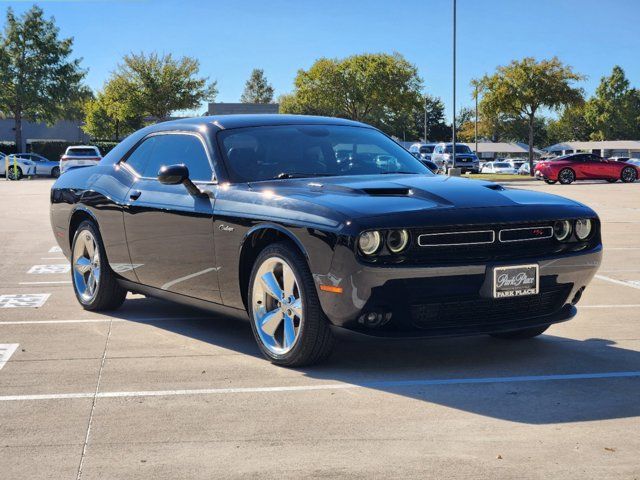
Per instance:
{"type": "Point", "coordinates": [501, 165]}
{"type": "Point", "coordinates": [459, 149]}
{"type": "Point", "coordinates": [426, 149]}
{"type": "Point", "coordinates": [263, 153]}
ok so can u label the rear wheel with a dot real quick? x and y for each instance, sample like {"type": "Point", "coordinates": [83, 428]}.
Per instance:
{"type": "Point", "coordinates": [521, 334]}
{"type": "Point", "coordinates": [566, 176]}
{"type": "Point", "coordinates": [287, 320]}
{"type": "Point", "coordinates": [55, 172]}
{"type": "Point", "coordinates": [94, 282]}
{"type": "Point", "coordinates": [15, 173]}
{"type": "Point", "coordinates": [629, 175]}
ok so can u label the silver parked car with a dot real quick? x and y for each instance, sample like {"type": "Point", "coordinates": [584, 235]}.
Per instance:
{"type": "Point", "coordinates": [14, 167]}
{"type": "Point", "coordinates": [44, 166]}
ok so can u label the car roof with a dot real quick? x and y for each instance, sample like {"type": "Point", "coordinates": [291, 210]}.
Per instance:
{"type": "Point", "coordinates": [224, 122]}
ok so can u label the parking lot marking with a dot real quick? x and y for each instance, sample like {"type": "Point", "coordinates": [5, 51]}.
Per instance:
{"type": "Point", "coordinates": [55, 249]}
{"type": "Point", "coordinates": [49, 269]}
{"type": "Point", "coordinates": [619, 282]}
{"type": "Point", "coordinates": [329, 386]}
{"type": "Point", "coordinates": [45, 283]}
{"type": "Point", "coordinates": [23, 300]}
{"type": "Point", "coordinates": [100, 320]}
{"type": "Point", "coordinates": [6, 350]}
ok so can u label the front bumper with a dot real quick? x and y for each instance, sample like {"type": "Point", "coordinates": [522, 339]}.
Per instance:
{"type": "Point", "coordinates": [450, 300]}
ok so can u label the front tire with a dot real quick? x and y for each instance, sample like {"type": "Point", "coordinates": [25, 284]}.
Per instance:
{"type": "Point", "coordinates": [629, 175]}
{"type": "Point", "coordinates": [55, 172]}
{"type": "Point", "coordinates": [94, 283]}
{"type": "Point", "coordinates": [522, 334]}
{"type": "Point", "coordinates": [566, 176]}
{"type": "Point", "coordinates": [286, 317]}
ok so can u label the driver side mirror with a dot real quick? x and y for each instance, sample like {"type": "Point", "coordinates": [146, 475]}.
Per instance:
{"type": "Point", "coordinates": [178, 174]}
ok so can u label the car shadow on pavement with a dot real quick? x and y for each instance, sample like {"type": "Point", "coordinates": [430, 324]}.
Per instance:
{"type": "Point", "coordinates": [381, 364]}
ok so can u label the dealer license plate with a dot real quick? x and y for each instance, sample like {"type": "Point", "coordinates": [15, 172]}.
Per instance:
{"type": "Point", "coordinates": [516, 281]}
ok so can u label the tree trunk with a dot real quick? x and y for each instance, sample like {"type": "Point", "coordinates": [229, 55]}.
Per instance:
{"type": "Point", "coordinates": [18, 128]}
{"type": "Point", "coordinates": [531, 118]}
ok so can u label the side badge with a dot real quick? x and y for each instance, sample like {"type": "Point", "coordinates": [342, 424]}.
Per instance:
{"type": "Point", "coordinates": [226, 228]}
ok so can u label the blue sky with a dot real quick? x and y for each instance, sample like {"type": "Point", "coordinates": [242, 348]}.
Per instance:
{"type": "Point", "coordinates": [281, 36]}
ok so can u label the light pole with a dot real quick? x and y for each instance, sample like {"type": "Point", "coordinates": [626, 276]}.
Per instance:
{"type": "Point", "coordinates": [425, 119]}
{"type": "Point", "coordinates": [453, 129]}
{"type": "Point", "coordinates": [477, 120]}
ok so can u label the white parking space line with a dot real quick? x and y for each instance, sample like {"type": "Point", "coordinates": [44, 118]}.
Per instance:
{"type": "Point", "coordinates": [23, 300]}
{"type": "Point", "coordinates": [55, 249]}
{"type": "Point", "coordinates": [333, 386]}
{"type": "Point", "coordinates": [45, 283]}
{"type": "Point", "coordinates": [49, 269]}
{"type": "Point", "coordinates": [99, 320]}
{"type": "Point", "coordinates": [6, 350]}
{"type": "Point", "coordinates": [631, 284]}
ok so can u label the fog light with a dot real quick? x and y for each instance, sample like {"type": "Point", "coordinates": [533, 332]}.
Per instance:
{"type": "Point", "coordinates": [583, 228]}
{"type": "Point", "coordinates": [397, 240]}
{"type": "Point", "coordinates": [369, 242]}
{"type": "Point", "coordinates": [374, 319]}
{"type": "Point", "coordinates": [562, 229]}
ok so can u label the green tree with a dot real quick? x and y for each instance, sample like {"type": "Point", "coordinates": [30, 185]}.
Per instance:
{"type": "Point", "coordinates": [614, 112]}
{"type": "Point", "coordinates": [39, 79]}
{"type": "Point", "coordinates": [114, 113]}
{"type": "Point", "coordinates": [520, 89]}
{"type": "Point", "coordinates": [156, 86]}
{"type": "Point", "coordinates": [257, 89]}
{"type": "Point", "coordinates": [571, 125]}
{"type": "Point", "coordinates": [380, 89]}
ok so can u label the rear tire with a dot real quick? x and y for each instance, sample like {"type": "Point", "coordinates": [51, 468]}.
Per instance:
{"type": "Point", "coordinates": [629, 175]}
{"type": "Point", "coordinates": [94, 283]}
{"type": "Point", "coordinates": [523, 334]}
{"type": "Point", "coordinates": [280, 339]}
{"type": "Point", "coordinates": [566, 176]}
{"type": "Point", "coordinates": [15, 173]}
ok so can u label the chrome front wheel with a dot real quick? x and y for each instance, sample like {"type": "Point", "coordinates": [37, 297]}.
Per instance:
{"type": "Point", "coordinates": [86, 266]}
{"type": "Point", "coordinates": [277, 305]}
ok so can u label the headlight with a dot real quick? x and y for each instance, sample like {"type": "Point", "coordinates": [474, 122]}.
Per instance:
{"type": "Point", "coordinates": [369, 242]}
{"type": "Point", "coordinates": [562, 229]}
{"type": "Point", "coordinates": [584, 226]}
{"type": "Point", "coordinates": [397, 240]}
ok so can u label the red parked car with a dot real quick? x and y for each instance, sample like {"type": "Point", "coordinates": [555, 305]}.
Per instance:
{"type": "Point", "coordinates": [585, 166]}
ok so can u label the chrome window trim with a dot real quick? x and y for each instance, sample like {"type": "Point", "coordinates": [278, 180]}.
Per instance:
{"type": "Point", "coordinates": [493, 238]}
{"type": "Point", "coordinates": [524, 239]}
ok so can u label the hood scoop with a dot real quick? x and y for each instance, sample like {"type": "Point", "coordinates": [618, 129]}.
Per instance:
{"type": "Point", "coordinates": [387, 191]}
{"type": "Point", "coordinates": [495, 187]}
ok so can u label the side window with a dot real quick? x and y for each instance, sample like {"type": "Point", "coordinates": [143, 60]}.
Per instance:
{"type": "Point", "coordinates": [140, 156]}
{"type": "Point", "coordinates": [171, 149]}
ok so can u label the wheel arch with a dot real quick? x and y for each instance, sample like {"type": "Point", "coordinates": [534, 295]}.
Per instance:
{"type": "Point", "coordinates": [79, 215]}
{"type": "Point", "coordinates": [257, 239]}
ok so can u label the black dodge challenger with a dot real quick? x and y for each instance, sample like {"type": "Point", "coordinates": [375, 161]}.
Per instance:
{"type": "Point", "coordinates": [315, 226]}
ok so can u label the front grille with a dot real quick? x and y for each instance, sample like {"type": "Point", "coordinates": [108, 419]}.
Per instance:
{"type": "Point", "coordinates": [456, 238]}
{"type": "Point", "coordinates": [473, 310]}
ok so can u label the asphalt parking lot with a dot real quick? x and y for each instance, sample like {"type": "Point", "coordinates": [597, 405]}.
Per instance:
{"type": "Point", "coordinates": [161, 391]}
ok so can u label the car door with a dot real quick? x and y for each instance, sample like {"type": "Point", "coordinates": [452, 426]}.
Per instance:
{"type": "Point", "coordinates": [594, 167]}
{"type": "Point", "coordinates": [169, 231]}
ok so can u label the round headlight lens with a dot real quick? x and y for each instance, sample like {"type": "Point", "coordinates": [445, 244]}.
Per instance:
{"type": "Point", "coordinates": [397, 240]}
{"type": "Point", "coordinates": [584, 226]}
{"type": "Point", "coordinates": [369, 242]}
{"type": "Point", "coordinates": [562, 229]}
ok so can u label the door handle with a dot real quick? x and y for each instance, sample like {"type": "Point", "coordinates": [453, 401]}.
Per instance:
{"type": "Point", "coordinates": [135, 194]}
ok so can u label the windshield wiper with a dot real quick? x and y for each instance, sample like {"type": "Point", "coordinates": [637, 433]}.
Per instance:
{"type": "Point", "coordinates": [284, 175]}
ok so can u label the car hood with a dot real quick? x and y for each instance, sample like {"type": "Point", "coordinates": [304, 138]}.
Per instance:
{"type": "Point", "coordinates": [373, 196]}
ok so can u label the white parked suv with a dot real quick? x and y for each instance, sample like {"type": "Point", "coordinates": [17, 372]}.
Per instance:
{"type": "Point", "coordinates": [79, 156]}
{"type": "Point", "coordinates": [23, 167]}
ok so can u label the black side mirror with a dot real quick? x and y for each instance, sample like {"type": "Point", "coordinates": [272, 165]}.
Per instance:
{"type": "Point", "coordinates": [173, 174]}
{"type": "Point", "coordinates": [178, 174]}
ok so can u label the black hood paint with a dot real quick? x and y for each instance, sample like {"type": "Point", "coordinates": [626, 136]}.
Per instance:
{"type": "Point", "coordinates": [376, 195]}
